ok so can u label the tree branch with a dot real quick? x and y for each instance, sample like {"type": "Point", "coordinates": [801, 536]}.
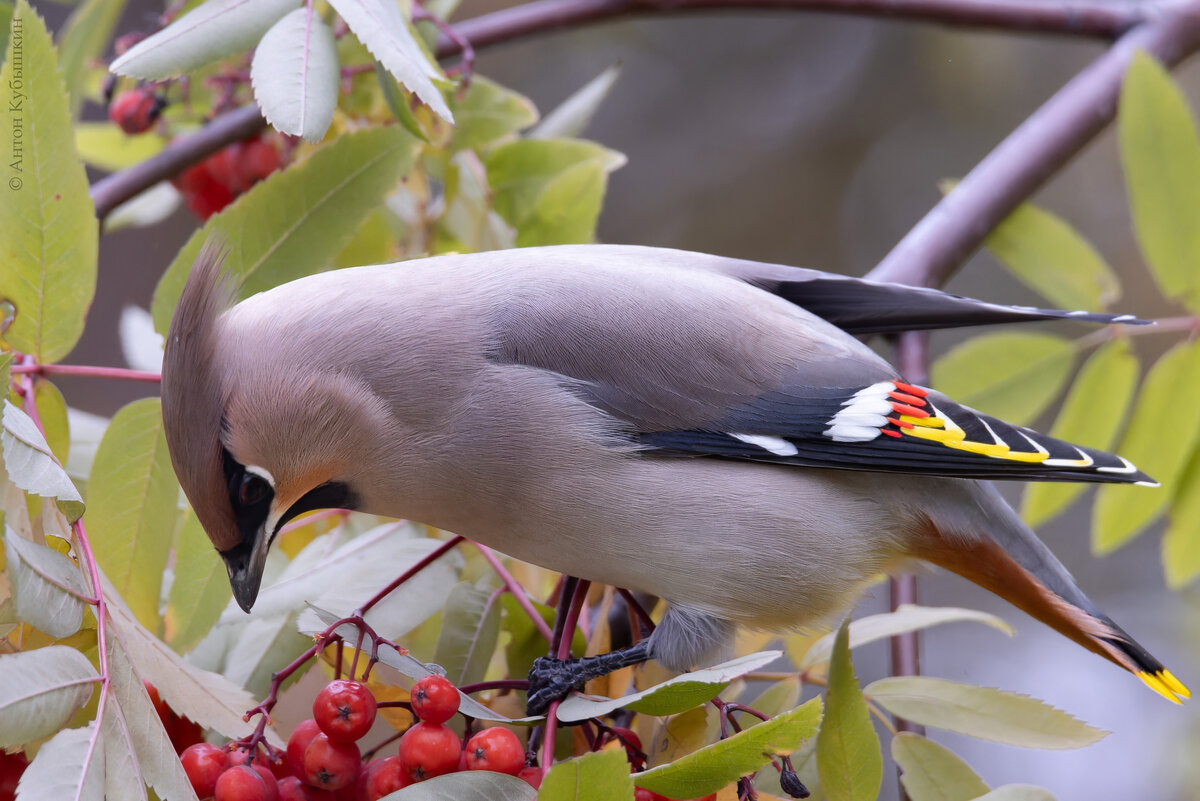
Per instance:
{"type": "Point", "coordinates": [938, 245]}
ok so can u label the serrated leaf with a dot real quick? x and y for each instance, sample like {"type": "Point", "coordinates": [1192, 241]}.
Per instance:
{"type": "Point", "coordinates": [200, 590]}
{"type": "Point", "coordinates": [38, 575]}
{"type": "Point", "coordinates": [715, 766]}
{"type": "Point", "coordinates": [1161, 156]}
{"type": "Point", "coordinates": [397, 101]}
{"type": "Point", "coordinates": [933, 772]}
{"type": "Point", "coordinates": [1181, 543]}
{"type": "Point", "coordinates": [52, 413]}
{"type": "Point", "coordinates": [105, 146]}
{"type": "Point", "coordinates": [131, 520]}
{"type": "Point", "coordinates": [31, 464]}
{"type": "Point", "coordinates": [1017, 792]}
{"type": "Point", "coordinates": [40, 691]}
{"type": "Point", "coordinates": [906, 618]}
{"type": "Point", "coordinates": [474, 785]}
{"type": "Point", "coordinates": [520, 171]}
{"type": "Point", "coordinates": [1091, 415]}
{"type": "Point", "coordinates": [123, 779]}
{"type": "Point", "coordinates": [1010, 376]}
{"type": "Point", "coordinates": [571, 117]}
{"type": "Point", "coordinates": [674, 695]}
{"type": "Point", "coordinates": [209, 32]}
{"type": "Point", "coordinates": [982, 712]}
{"type": "Point", "coordinates": [848, 753]}
{"type": "Point", "coordinates": [83, 39]}
{"type": "Point", "coordinates": [69, 766]}
{"type": "Point", "coordinates": [47, 221]}
{"type": "Point", "coordinates": [381, 26]}
{"type": "Point", "coordinates": [152, 749]}
{"type": "Point", "coordinates": [295, 75]}
{"type": "Point", "coordinates": [1052, 258]}
{"type": "Point", "coordinates": [1159, 440]}
{"type": "Point", "coordinates": [489, 112]}
{"type": "Point", "coordinates": [598, 776]}
{"type": "Point", "coordinates": [295, 222]}
{"type": "Point", "coordinates": [470, 629]}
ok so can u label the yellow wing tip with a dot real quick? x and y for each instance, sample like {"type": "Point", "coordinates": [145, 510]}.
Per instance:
{"type": "Point", "coordinates": [1165, 685]}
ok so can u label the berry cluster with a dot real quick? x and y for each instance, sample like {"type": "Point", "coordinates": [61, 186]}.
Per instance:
{"type": "Point", "coordinates": [213, 184]}
{"type": "Point", "coordinates": [182, 731]}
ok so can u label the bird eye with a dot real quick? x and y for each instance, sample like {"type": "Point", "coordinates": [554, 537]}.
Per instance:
{"type": "Point", "coordinates": [253, 489]}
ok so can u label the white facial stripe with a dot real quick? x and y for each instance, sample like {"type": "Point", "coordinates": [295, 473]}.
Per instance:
{"type": "Point", "coordinates": [775, 445]}
{"type": "Point", "coordinates": [261, 473]}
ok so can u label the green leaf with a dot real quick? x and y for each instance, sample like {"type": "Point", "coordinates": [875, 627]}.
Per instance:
{"type": "Point", "coordinates": [295, 222]}
{"type": "Point", "coordinates": [47, 221]}
{"type": "Point", "coordinates": [46, 586]}
{"type": "Point", "coordinates": [714, 766]}
{"type": "Point", "coordinates": [671, 696]}
{"type": "Point", "coordinates": [1017, 792]}
{"type": "Point", "coordinates": [571, 117]}
{"type": "Point", "coordinates": [372, 243]}
{"type": "Point", "coordinates": [1053, 259]}
{"type": "Point", "coordinates": [469, 217]}
{"type": "Point", "coordinates": [1161, 156]}
{"type": "Point", "coordinates": [848, 753]}
{"type": "Point", "coordinates": [6, 14]}
{"type": "Point", "coordinates": [489, 112]}
{"type": "Point", "coordinates": [83, 40]}
{"type": "Point", "coordinates": [200, 590]}
{"type": "Point", "coordinates": [131, 519]}
{"type": "Point", "coordinates": [398, 102]}
{"type": "Point", "coordinates": [1011, 376]}
{"type": "Point", "coordinates": [470, 629]}
{"type": "Point", "coordinates": [982, 712]}
{"type": "Point", "coordinates": [1181, 544]}
{"type": "Point", "coordinates": [906, 618]}
{"type": "Point", "coordinates": [105, 146]}
{"type": "Point", "coordinates": [295, 75]}
{"type": "Point", "coordinates": [472, 785]}
{"type": "Point", "coordinates": [567, 209]}
{"type": "Point", "coordinates": [525, 643]}
{"type": "Point", "coordinates": [1091, 415]}
{"type": "Point", "coordinates": [52, 411]}
{"type": "Point", "coordinates": [776, 699]}
{"type": "Point", "coordinates": [598, 776]}
{"type": "Point", "coordinates": [933, 772]}
{"type": "Point", "coordinates": [1160, 438]}
{"type": "Point", "coordinates": [31, 464]}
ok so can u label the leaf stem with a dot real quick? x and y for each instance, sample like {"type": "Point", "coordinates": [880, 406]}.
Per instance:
{"type": "Point", "coordinates": [516, 590]}
{"type": "Point", "coordinates": [33, 368]}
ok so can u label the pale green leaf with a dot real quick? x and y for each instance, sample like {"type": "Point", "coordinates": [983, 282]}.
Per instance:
{"type": "Point", "coordinates": [47, 222]}
{"type": "Point", "coordinates": [262, 647]}
{"type": "Point", "coordinates": [52, 412]}
{"type": "Point", "coordinates": [1159, 440]}
{"type": "Point", "coordinates": [373, 243]}
{"type": "Point", "coordinates": [200, 590]}
{"type": "Point", "coordinates": [1161, 156]}
{"type": "Point", "coordinates": [469, 631]}
{"type": "Point", "coordinates": [398, 102]}
{"type": "Point", "coordinates": [525, 642]}
{"type": "Point", "coordinates": [40, 691]}
{"type": "Point", "coordinates": [69, 766]}
{"type": "Point", "coordinates": [6, 13]}
{"type": "Point", "coordinates": [1053, 259]}
{"type": "Point", "coordinates": [775, 700]}
{"type": "Point", "coordinates": [123, 780]}
{"type": "Point", "coordinates": [671, 696]}
{"type": "Point", "coordinates": [105, 146]}
{"type": "Point", "coordinates": [1181, 544]}
{"type": "Point", "coordinates": [1091, 415]}
{"type": "Point", "coordinates": [1017, 792]}
{"type": "Point", "coordinates": [469, 217]}
{"type": "Point", "coordinates": [295, 75]}
{"type": "Point", "coordinates": [520, 171]}
{"type": "Point", "coordinates": [567, 209]}
{"type": "Point", "coordinates": [906, 618]}
{"type": "Point", "coordinates": [46, 585]}
{"type": "Point", "coordinates": [211, 31]}
{"type": "Point", "coordinates": [571, 117]}
{"type": "Point", "coordinates": [1011, 376]}
{"type": "Point", "coordinates": [848, 753]}
{"type": "Point", "coordinates": [144, 209]}
{"type": "Point", "coordinates": [708, 769]}
{"type": "Point", "coordinates": [983, 712]}
{"type": "Point", "coordinates": [381, 26]}
{"type": "Point", "coordinates": [933, 772]}
{"type": "Point", "coordinates": [131, 519]}
{"type": "Point", "coordinates": [489, 112]}
{"type": "Point", "coordinates": [473, 785]}
{"type": "Point", "coordinates": [599, 776]}
{"type": "Point", "coordinates": [32, 466]}
{"type": "Point", "coordinates": [83, 40]}
{"type": "Point", "coordinates": [295, 222]}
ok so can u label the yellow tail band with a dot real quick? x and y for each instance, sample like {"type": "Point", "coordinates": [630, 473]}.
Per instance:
{"type": "Point", "coordinates": [1165, 685]}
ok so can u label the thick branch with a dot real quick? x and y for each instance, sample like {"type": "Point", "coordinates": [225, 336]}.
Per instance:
{"type": "Point", "coordinates": [955, 228]}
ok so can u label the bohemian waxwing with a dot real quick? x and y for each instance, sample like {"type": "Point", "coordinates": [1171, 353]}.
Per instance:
{"type": "Point", "coordinates": [704, 429]}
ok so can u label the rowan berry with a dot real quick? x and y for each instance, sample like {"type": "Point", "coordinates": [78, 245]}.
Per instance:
{"type": "Point", "coordinates": [204, 764]}
{"type": "Point", "coordinates": [242, 783]}
{"type": "Point", "coordinates": [292, 789]}
{"type": "Point", "coordinates": [136, 110]}
{"type": "Point", "coordinates": [385, 777]}
{"type": "Point", "coordinates": [531, 776]}
{"type": "Point", "coordinates": [434, 699]}
{"type": "Point", "coordinates": [496, 749]}
{"type": "Point", "coordinates": [428, 750]}
{"type": "Point", "coordinates": [302, 735]}
{"type": "Point", "coordinates": [344, 710]}
{"type": "Point", "coordinates": [330, 765]}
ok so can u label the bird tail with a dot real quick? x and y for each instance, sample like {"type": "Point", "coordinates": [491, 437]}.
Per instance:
{"type": "Point", "coordinates": [1010, 561]}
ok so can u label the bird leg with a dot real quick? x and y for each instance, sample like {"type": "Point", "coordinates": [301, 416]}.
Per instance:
{"type": "Point", "coordinates": [551, 679]}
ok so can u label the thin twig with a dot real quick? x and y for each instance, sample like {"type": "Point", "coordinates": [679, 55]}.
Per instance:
{"type": "Point", "coordinates": [120, 373]}
{"type": "Point", "coordinates": [517, 591]}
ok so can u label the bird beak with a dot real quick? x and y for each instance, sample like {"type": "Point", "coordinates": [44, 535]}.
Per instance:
{"type": "Point", "coordinates": [245, 564]}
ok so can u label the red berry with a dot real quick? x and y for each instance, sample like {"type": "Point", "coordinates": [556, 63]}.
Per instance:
{"type": "Point", "coordinates": [203, 195]}
{"type": "Point", "coordinates": [344, 710]}
{"type": "Point", "coordinates": [135, 110]}
{"type": "Point", "coordinates": [204, 764]}
{"type": "Point", "coordinates": [330, 765]}
{"type": "Point", "coordinates": [428, 750]}
{"type": "Point", "coordinates": [183, 732]}
{"type": "Point", "coordinates": [301, 737]}
{"type": "Point", "coordinates": [225, 166]}
{"type": "Point", "coordinates": [495, 749]}
{"type": "Point", "coordinates": [159, 707]}
{"type": "Point", "coordinates": [292, 789]}
{"type": "Point", "coordinates": [11, 768]}
{"type": "Point", "coordinates": [434, 699]}
{"type": "Point", "coordinates": [642, 794]}
{"type": "Point", "coordinates": [531, 776]}
{"type": "Point", "coordinates": [385, 777]}
{"type": "Point", "coordinates": [259, 159]}
{"type": "Point", "coordinates": [241, 783]}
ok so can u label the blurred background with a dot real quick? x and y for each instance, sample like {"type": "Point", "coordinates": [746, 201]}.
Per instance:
{"type": "Point", "coordinates": [819, 141]}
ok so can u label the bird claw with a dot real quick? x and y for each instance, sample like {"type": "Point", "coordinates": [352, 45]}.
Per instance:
{"type": "Point", "coordinates": [550, 680]}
